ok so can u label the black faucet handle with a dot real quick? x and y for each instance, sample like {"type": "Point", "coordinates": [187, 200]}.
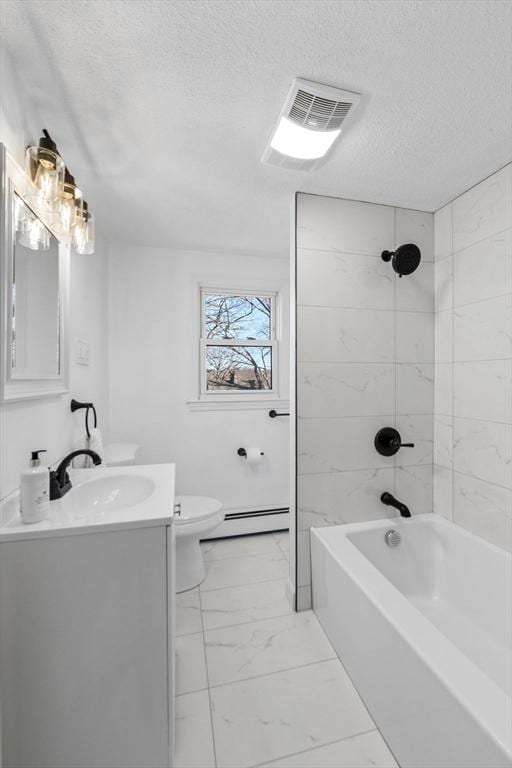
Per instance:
{"type": "Point", "coordinates": [388, 441]}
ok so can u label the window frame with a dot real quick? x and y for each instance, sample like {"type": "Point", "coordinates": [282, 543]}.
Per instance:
{"type": "Point", "coordinates": [249, 396]}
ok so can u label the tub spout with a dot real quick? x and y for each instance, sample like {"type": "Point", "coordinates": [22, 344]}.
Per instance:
{"type": "Point", "coordinates": [389, 499]}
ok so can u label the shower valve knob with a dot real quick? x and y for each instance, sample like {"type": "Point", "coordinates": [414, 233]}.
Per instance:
{"type": "Point", "coordinates": [388, 441]}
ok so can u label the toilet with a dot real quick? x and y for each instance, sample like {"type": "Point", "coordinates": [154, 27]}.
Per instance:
{"type": "Point", "coordinates": [120, 454]}
{"type": "Point", "coordinates": [195, 517]}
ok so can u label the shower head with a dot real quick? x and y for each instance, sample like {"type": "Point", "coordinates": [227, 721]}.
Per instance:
{"type": "Point", "coordinates": [405, 259]}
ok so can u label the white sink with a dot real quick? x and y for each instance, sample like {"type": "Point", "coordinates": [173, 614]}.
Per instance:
{"type": "Point", "coordinates": [111, 493]}
{"type": "Point", "coordinates": [103, 498]}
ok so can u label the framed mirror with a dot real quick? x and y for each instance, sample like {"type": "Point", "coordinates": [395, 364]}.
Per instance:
{"type": "Point", "coordinates": [35, 269]}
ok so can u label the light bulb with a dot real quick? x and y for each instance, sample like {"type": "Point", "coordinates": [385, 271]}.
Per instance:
{"type": "Point", "coordinates": [45, 169]}
{"type": "Point", "coordinates": [69, 198]}
{"type": "Point", "coordinates": [300, 142]}
{"type": "Point", "coordinates": [83, 231]}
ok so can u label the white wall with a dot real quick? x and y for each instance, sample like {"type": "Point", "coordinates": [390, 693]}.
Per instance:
{"type": "Point", "coordinates": [48, 423]}
{"type": "Point", "coordinates": [153, 342]}
{"type": "Point", "coordinates": [473, 389]}
{"type": "Point", "coordinates": [364, 361]}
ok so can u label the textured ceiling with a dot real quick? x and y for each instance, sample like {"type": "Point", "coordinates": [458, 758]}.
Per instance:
{"type": "Point", "coordinates": [162, 109]}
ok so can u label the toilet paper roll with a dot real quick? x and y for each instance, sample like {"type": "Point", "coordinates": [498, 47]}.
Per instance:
{"type": "Point", "coordinates": [254, 456]}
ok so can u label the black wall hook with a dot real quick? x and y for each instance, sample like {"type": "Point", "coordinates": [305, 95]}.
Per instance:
{"type": "Point", "coordinates": [243, 452]}
{"type": "Point", "coordinates": [76, 406]}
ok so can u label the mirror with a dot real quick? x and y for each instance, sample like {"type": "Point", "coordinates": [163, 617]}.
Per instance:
{"type": "Point", "coordinates": [34, 261]}
{"type": "Point", "coordinates": [35, 326]}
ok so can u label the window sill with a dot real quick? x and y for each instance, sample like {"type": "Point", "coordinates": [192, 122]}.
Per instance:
{"type": "Point", "coordinates": [238, 405]}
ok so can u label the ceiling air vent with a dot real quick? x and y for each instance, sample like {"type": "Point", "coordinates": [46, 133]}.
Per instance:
{"type": "Point", "coordinates": [309, 124]}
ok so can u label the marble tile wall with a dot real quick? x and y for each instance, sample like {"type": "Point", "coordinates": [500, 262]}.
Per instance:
{"type": "Point", "coordinates": [365, 359]}
{"type": "Point", "coordinates": [473, 350]}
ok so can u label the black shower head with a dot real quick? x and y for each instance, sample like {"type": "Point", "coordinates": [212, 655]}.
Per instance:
{"type": "Point", "coordinates": [405, 259]}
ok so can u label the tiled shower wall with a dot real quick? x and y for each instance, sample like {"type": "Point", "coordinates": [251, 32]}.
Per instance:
{"type": "Point", "coordinates": [365, 352]}
{"type": "Point", "coordinates": [473, 390]}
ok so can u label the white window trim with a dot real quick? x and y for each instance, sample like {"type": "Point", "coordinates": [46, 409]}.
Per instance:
{"type": "Point", "coordinates": [228, 400]}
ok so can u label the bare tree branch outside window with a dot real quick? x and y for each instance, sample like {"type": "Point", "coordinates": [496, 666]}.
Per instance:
{"type": "Point", "coordinates": [235, 366]}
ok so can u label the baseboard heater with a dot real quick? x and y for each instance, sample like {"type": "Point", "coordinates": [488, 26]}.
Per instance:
{"type": "Point", "coordinates": [253, 521]}
{"type": "Point", "coordinates": [260, 513]}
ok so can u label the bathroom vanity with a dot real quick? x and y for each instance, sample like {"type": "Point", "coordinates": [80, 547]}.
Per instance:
{"type": "Point", "coordinates": [87, 631]}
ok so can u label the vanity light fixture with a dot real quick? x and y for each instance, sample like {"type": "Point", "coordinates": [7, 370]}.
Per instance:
{"type": "Point", "coordinates": [54, 191]}
{"type": "Point", "coordinates": [309, 124]}
{"type": "Point", "coordinates": [68, 202]}
{"type": "Point", "coordinates": [83, 231]}
{"type": "Point", "coordinates": [45, 168]}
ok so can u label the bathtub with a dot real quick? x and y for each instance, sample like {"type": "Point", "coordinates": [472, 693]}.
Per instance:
{"type": "Point", "coordinates": [424, 631]}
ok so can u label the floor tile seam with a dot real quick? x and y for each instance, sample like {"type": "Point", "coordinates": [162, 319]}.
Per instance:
{"type": "Point", "coordinates": [244, 623]}
{"type": "Point", "coordinates": [193, 690]}
{"type": "Point", "coordinates": [210, 704]}
{"type": "Point", "coordinates": [334, 657]}
{"type": "Point", "coordinates": [319, 746]}
{"type": "Point", "coordinates": [235, 586]}
{"type": "Point", "coordinates": [242, 584]}
{"type": "Point", "coordinates": [260, 621]}
{"type": "Point", "coordinates": [234, 557]}
{"type": "Point", "coordinates": [247, 554]}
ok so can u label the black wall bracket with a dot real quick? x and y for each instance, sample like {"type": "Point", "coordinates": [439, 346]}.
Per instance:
{"type": "Point", "coordinates": [243, 452]}
{"type": "Point", "coordinates": [274, 414]}
{"type": "Point", "coordinates": [76, 406]}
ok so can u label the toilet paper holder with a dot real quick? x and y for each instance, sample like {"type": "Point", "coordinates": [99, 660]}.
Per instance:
{"type": "Point", "coordinates": [243, 452]}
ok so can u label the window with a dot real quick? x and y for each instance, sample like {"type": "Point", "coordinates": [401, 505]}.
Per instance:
{"type": "Point", "coordinates": [238, 343]}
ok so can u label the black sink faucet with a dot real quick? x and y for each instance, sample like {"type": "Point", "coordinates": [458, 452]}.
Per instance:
{"type": "Point", "coordinates": [59, 479]}
{"type": "Point", "coordinates": [389, 499]}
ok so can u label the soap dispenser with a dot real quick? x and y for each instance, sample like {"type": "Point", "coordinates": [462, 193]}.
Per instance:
{"type": "Point", "coordinates": [35, 491]}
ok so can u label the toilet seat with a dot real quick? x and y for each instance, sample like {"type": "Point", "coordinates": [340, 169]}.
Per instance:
{"type": "Point", "coordinates": [195, 509]}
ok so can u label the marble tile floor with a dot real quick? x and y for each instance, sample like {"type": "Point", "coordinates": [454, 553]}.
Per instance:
{"type": "Point", "coordinates": [257, 684]}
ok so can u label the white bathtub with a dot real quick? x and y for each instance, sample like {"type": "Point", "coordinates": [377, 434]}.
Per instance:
{"type": "Point", "coordinates": [424, 631]}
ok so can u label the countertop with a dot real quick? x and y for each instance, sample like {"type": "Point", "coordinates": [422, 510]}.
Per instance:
{"type": "Point", "coordinates": [67, 517]}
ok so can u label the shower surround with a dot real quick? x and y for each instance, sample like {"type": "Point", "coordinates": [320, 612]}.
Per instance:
{"type": "Point", "coordinates": [364, 360]}
{"type": "Point", "coordinates": [473, 373]}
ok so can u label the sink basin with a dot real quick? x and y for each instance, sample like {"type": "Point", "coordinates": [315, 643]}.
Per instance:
{"type": "Point", "coordinates": [101, 499]}
{"type": "Point", "coordinates": [111, 493]}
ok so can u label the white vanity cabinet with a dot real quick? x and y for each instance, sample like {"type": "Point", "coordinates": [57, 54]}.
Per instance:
{"type": "Point", "coordinates": [86, 645]}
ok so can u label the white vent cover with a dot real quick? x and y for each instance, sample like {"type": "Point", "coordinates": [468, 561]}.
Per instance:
{"type": "Point", "coordinates": [315, 107]}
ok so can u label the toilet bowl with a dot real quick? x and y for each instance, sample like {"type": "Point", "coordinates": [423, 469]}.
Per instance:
{"type": "Point", "coordinates": [195, 518]}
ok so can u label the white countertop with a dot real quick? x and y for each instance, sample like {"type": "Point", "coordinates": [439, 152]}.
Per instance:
{"type": "Point", "coordinates": [68, 517]}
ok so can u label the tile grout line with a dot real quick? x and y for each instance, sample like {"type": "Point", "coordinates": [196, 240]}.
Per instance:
{"type": "Point", "coordinates": [368, 309]}
{"type": "Point", "coordinates": [241, 623]}
{"type": "Point", "coordinates": [466, 247]}
{"type": "Point", "coordinates": [210, 707]}
{"type": "Point", "coordinates": [259, 621]}
{"type": "Point", "coordinates": [285, 669]}
{"type": "Point", "coordinates": [312, 749]}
